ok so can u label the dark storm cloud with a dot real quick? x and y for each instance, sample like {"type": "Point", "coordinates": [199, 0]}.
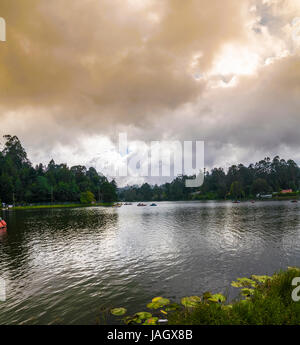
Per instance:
{"type": "Point", "coordinates": [71, 70]}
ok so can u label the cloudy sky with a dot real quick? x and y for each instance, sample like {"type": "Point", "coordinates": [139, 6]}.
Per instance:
{"type": "Point", "coordinates": [76, 73]}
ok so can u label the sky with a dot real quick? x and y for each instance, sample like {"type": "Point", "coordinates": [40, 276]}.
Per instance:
{"type": "Point", "coordinates": [74, 74]}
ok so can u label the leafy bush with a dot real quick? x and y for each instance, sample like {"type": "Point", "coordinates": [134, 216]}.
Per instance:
{"type": "Point", "coordinates": [263, 301]}
{"type": "Point", "coordinates": [287, 194]}
{"type": "Point", "coordinates": [87, 197]}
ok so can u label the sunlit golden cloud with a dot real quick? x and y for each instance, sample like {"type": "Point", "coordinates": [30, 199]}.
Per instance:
{"type": "Point", "coordinates": [72, 69]}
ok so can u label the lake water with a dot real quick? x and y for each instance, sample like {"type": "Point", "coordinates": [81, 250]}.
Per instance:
{"type": "Point", "coordinates": [67, 265]}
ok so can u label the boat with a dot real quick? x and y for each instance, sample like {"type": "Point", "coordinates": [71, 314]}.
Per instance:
{"type": "Point", "coordinates": [117, 205]}
{"type": "Point", "coordinates": [294, 200]}
{"type": "Point", "coordinates": [153, 204]}
{"type": "Point", "coordinates": [3, 224]}
{"type": "Point", "coordinates": [236, 202]}
{"type": "Point", "coordinates": [127, 203]}
{"type": "Point", "coordinates": [141, 204]}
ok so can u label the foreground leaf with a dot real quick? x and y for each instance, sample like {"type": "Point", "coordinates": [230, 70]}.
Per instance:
{"type": "Point", "coordinates": [191, 302]}
{"type": "Point", "coordinates": [118, 311]}
{"type": "Point", "coordinates": [217, 298]}
{"type": "Point", "coordinates": [143, 315]}
{"type": "Point", "coordinates": [261, 279]}
{"type": "Point", "coordinates": [162, 301]}
{"type": "Point", "coordinates": [153, 305]}
{"type": "Point", "coordinates": [227, 307]}
{"type": "Point", "coordinates": [247, 292]}
{"type": "Point", "coordinates": [158, 302]}
{"type": "Point", "coordinates": [244, 282]}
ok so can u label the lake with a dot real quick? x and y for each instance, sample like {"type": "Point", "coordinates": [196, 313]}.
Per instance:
{"type": "Point", "coordinates": [67, 265]}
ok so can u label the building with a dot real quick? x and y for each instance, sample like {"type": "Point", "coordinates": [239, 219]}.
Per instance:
{"type": "Point", "coordinates": [284, 191]}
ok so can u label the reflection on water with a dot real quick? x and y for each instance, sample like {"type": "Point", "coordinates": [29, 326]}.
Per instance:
{"type": "Point", "coordinates": [64, 265]}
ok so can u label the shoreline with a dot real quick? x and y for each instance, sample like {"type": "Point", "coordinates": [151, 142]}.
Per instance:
{"type": "Point", "coordinates": [16, 208]}
{"type": "Point", "coordinates": [110, 204]}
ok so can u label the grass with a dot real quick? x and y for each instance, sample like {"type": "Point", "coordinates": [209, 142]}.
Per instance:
{"type": "Point", "coordinates": [286, 198]}
{"type": "Point", "coordinates": [60, 206]}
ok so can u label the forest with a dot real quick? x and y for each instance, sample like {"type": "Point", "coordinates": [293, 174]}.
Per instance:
{"type": "Point", "coordinates": [21, 183]}
{"type": "Point", "coordinates": [246, 182]}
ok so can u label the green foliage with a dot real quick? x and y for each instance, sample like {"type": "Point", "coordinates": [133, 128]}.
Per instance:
{"type": "Point", "coordinates": [260, 185]}
{"type": "Point", "coordinates": [176, 190]}
{"type": "Point", "coordinates": [137, 318]}
{"type": "Point", "coordinates": [287, 194]}
{"type": "Point", "coordinates": [22, 183]}
{"type": "Point", "coordinates": [265, 176]}
{"type": "Point", "coordinates": [244, 282]}
{"type": "Point", "coordinates": [158, 302]}
{"type": "Point", "coordinates": [59, 206]}
{"type": "Point", "coordinates": [217, 298]}
{"type": "Point", "coordinates": [172, 307]}
{"type": "Point", "coordinates": [236, 190]}
{"type": "Point", "coordinates": [109, 193]}
{"type": "Point", "coordinates": [269, 303]}
{"type": "Point", "coordinates": [247, 292]}
{"type": "Point", "coordinates": [87, 197]}
{"type": "Point", "coordinates": [191, 302]}
{"type": "Point", "coordinates": [261, 279]}
{"type": "Point", "coordinates": [143, 315]}
{"type": "Point", "coordinates": [118, 311]}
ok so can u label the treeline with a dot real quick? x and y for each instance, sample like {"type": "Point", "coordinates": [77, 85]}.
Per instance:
{"type": "Point", "coordinates": [173, 191]}
{"type": "Point", "coordinates": [263, 177]}
{"type": "Point", "coordinates": [21, 183]}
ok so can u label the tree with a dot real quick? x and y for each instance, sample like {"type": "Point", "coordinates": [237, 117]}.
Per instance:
{"type": "Point", "coordinates": [146, 191]}
{"type": "Point", "coordinates": [21, 182]}
{"type": "Point", "coordinates": [109, 192]}
{"type": "Point", "coordinates": [260, 185]}
{"type": "Point", "coordinates": [87, 197]}
{"type": "Point", "coordinates": [15, 151]}
{"type": "Point", "coordinates": [236, 190]}
{"type": "Point", "coordinates": [6, 188]}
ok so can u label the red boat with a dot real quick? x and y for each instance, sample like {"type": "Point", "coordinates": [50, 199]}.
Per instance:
{"type": "Point", "coordinates": [3, 224]}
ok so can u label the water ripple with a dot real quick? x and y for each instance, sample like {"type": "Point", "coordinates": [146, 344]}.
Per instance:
{"type": "Point", "coordinates": [65, 265]}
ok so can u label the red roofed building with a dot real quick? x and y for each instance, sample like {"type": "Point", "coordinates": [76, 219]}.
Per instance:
{"type": "Point", "coordinates": [284, 191]}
